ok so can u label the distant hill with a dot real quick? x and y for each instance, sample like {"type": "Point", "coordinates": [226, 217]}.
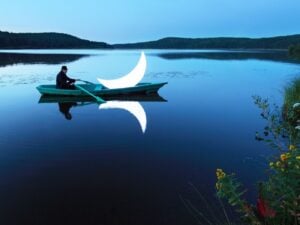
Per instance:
{"type": "Point", "coordinates": [65, 41]}
{"type": "Point", "coordinates": [46, 41]}
{"type": "Point", "coordinates": [280, 42]}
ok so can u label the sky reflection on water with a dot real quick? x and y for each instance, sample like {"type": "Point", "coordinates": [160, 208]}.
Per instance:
{"type": "Point", "coordinates": [100, 166]}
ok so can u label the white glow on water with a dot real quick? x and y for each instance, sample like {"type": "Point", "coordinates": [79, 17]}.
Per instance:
{"type": "Point", "coordinates": [129, 80]}
{"type": "Point", "coordinates": [135, 108]}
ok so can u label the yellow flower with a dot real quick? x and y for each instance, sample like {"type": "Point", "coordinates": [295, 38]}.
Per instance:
{"type": "Point", "coordinates": [292, 147]}
{"type": "Point", "coordinates": [283, 157]}
{"type": "Point", "coordinates": [220, 174]}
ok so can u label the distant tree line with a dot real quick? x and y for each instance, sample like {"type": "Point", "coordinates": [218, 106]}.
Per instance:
{"type": "Point", "coordinates": [45, 41]}
{"type": "Point", "coordinates": [66, 41]}
{"type": "Point", "coordinates": [282, 42]}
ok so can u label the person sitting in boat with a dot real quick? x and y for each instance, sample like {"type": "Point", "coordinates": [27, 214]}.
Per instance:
{"type": "Point", "coordinates": [63, 81]}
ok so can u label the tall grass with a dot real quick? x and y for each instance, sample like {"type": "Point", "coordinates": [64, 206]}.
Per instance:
{"type": "Point", "coordinates": [292, 94]}
{"type": "Point", "coordinates": [290, 115]}
{"type": "Point", "coordinates": [207, 211]}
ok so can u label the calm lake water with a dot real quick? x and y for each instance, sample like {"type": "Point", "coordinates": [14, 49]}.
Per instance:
{"type": "Point", "coordinates": [99, 167]}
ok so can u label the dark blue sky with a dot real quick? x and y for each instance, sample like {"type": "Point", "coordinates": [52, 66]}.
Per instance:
{"type": "Point", "coordinates": [116, 21]}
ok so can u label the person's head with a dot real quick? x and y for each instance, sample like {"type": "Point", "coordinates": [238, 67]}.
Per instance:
{"type": "Point", "coordinates": [64, 69]}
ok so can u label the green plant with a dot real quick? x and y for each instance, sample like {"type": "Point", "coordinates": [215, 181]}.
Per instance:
{"type": "Point", "coordinates": [278, 202]}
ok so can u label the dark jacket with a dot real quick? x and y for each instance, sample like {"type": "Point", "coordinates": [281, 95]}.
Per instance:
{"type": "Point", "coordinates": [63, 81]}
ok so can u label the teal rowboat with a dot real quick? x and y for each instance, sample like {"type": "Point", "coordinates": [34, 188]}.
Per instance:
{"type": "Point", "coordinates": [99, 90]}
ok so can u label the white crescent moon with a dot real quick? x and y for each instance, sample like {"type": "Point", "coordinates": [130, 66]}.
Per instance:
{"type": "Point", "coordinates": [129, 80]}
{"type": "Point", "coordinates": [135, 108]}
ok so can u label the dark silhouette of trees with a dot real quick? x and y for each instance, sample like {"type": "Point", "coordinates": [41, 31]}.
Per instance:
{"type": "Point", "coordinates": [66, 41]}
{"type": "Point", "coordinates": [281, 42]}
{"type": "Point", "coordinates": [46, 41]}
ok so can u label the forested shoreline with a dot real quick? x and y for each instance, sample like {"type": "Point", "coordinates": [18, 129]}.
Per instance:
{"type": "Point", "coordinates": [65, 41]}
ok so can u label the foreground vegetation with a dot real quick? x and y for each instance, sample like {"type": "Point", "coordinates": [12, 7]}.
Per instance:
{"type": "Point", "coordinates": [278, 201]}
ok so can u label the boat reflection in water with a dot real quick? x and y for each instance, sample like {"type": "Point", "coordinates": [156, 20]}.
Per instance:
{"type": "Point", "coordinates": [130, 104]}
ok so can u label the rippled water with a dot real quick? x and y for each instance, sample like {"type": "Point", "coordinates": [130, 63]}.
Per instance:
{"type": "Point", "coordinates": [99, 167]}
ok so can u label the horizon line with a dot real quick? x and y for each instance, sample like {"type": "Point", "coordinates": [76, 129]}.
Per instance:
{"type": "Point", "coordinates": [157, 39]}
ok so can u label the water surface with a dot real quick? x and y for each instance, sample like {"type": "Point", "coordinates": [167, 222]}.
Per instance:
{"type": "Point", "coordinates": [99, 167]}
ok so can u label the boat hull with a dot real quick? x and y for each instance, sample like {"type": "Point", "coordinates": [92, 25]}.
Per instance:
{"type": "Point", "coordinates": [99, 90]}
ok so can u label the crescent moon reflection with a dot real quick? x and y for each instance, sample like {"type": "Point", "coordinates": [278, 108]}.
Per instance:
{"type": "Point", "coordinates": [135, 108]}
{"type": "Point", "coordinates": [129, 80]}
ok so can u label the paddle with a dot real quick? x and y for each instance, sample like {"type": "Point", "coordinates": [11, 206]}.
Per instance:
{"type": "Point", "coordinates": [99, 100]}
